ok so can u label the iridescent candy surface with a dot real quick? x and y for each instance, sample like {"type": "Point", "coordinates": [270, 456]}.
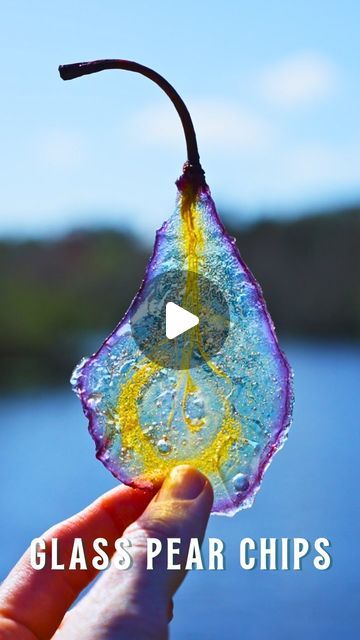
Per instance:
{"type": "Point", "coordinates": [227, 415]}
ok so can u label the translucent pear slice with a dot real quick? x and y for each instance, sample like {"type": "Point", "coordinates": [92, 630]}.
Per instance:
{"type": "Point", "coordinates": [227, 416]}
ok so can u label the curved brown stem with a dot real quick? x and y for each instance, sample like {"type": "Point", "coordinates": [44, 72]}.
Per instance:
{"type": "Point", "coordinates": [193, 167]}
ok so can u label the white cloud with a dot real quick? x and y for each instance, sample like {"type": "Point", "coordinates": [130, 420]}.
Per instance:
{"type": "Point", "coordinates": [299, 80]}
{"type": "Point", "coordinates": [219, 125]}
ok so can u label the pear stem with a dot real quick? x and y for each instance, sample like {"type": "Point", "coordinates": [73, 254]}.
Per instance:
{"type": "Point", "coordinates": [193, 167]}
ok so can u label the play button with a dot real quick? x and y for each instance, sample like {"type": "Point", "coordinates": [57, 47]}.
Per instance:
{"type": "Point", "coordinates": [180, 320]}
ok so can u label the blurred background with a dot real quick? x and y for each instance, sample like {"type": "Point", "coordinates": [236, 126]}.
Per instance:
{"type": "Point", "coordinates": [87, 175]}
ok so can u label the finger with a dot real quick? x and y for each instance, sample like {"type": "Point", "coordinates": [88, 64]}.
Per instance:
{"type": "Point", "coordinates": [139, 605]}
{"type": "Point", "coordinates": [36, 600]}
{"type": "Point", "coordinates": [170, 610]}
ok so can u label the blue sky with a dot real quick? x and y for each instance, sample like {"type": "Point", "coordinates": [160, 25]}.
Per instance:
{"type": "Point", "coordinates": [273, 88]}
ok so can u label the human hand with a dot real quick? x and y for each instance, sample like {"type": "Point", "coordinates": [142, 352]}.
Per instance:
{"type": "Point", "coordinates": [135, 604]}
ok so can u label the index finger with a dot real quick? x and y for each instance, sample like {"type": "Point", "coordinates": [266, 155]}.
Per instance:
{"type": "Point", "coordinates": [36, 600]}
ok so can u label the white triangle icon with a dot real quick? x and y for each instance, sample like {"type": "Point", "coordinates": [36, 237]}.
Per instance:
{"type": "Point", "coordinates": [178, 320]}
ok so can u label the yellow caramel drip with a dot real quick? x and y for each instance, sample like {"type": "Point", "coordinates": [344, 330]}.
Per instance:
{"type": "Point", "coordinates": [210, 459]}
{"type": "Point", "coordinates": [133, 437]}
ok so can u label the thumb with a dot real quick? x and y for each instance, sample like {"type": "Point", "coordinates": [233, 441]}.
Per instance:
{"type": "Point", "coordinates": [180, 510]}
{"type": "Point", "coordinates": [136, 602]}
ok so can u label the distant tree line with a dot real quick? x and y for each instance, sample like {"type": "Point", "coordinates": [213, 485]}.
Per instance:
{"type": "Point", "coordinates": [55, 294]}
{"type": "Point", "coordinates": [309, 270]}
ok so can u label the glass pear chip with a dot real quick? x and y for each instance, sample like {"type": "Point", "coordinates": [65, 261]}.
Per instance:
{"type": "Point", "coordinates": [219, 395]}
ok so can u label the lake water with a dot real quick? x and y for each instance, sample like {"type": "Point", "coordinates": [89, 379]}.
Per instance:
{"type": "Point", "coordinates": [48, 471]}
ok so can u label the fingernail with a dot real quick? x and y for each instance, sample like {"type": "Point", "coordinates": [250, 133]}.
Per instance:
{"type": "Point", "coordinates": [183, 483]}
